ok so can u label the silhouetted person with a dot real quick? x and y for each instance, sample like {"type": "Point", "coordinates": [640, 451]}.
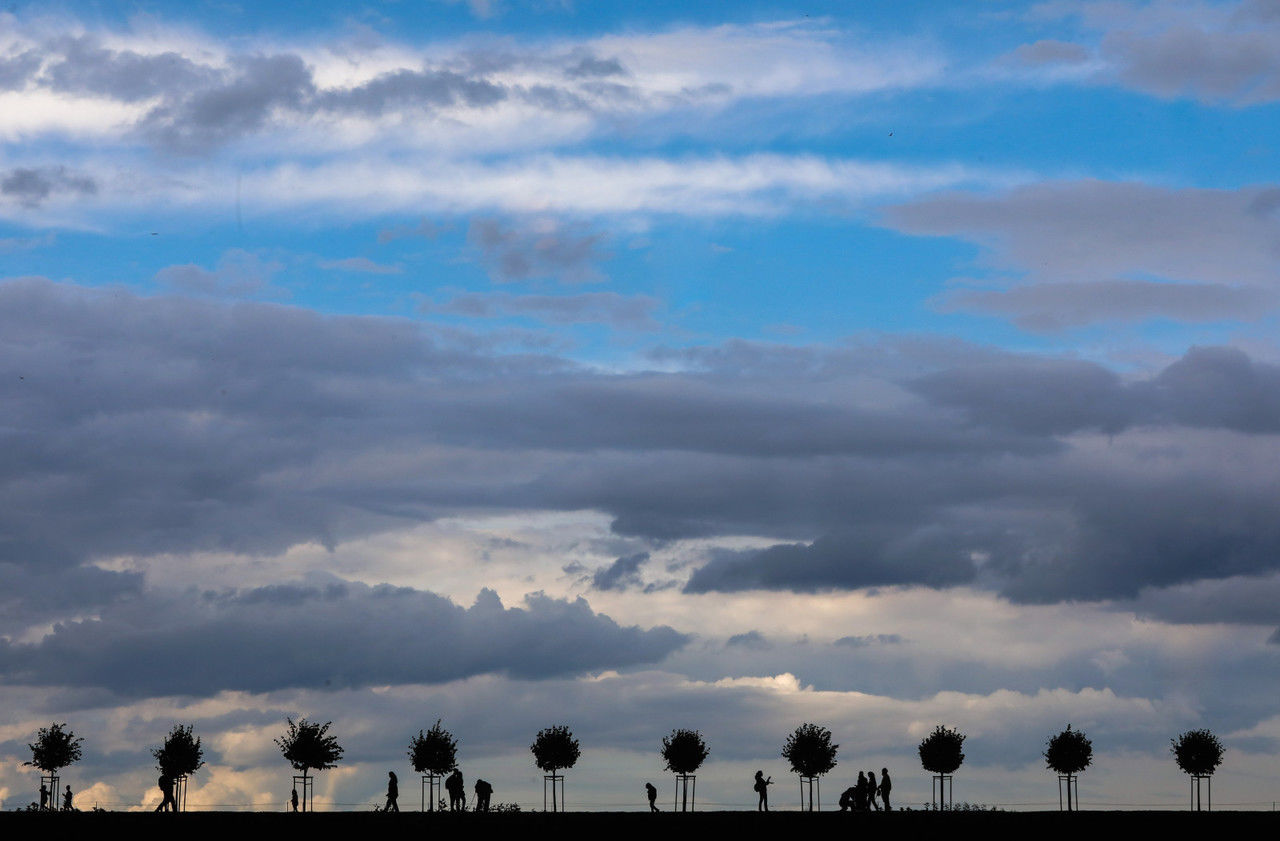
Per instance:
{"type": "Point", "coordinates": [457, 793]}
{"type": "Point", "coordinates": [483, 792]}
{"type": "Point", "coordinates": [293, 801]}
{"type": "Point", "coordinates": [44, 796]}
{"type": "Point", "coordinates": [393, 793]}
{"type": "Point", "coordinates": [166, 788]}
{"type": "Point", "coordinates": [849, 799]}
{"type": "Point", "coordinates": [66, 801]}
{"type": "Point", "coordinates": [653, 796]}
{"type": "Point", "coordinates": [860, 793]}
{"type": "Point", "coordinates": [871, 790]}
{"type": "Point", "coordinates": [762, 788]}
{"type": "Point", "coordinates": [886, 786]}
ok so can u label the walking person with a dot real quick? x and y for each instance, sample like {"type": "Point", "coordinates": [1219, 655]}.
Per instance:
{"type": "Point", "coordinates": [871, 790]}
{"type": "Point", "coordinates": [393, 793]}
{"type": "Point", "coordinates": [762, 788]}
{"type": "Point", "coordinates": [653, 796]}
{"type": "Point", "coordinates": [66, 801]}
{"type": "Point", "coordinates": [293, 800]}
{"type": "Point", "coordinates": [886, 786]}
{"type": "Point", "coordinates": [44, 797]}
{"type": "Point", "coordinates": [167, 803]}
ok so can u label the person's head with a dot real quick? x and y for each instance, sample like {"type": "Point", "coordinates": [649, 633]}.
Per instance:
{"type": "Point", "coordinates": [760, 773]}
{"type": "Point", "coordinates": [884, 771]}
{"type": "Point", "coordinates": [862, 775]}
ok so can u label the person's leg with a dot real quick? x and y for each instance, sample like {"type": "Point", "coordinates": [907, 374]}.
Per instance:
{"type": "Point", "coordinates": [886, 801]}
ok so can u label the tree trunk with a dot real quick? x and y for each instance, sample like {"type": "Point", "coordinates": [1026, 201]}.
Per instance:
{"type": "Point", "coordinates": [553, 791]}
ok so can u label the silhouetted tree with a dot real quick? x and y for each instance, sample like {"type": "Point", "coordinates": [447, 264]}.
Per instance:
{"type": "Point", "coordinates": [554, 749]}
{"type": "Point", "coordinates": [941, 751]}
{"type": "Point", "coordinates": [1198, 753]}
{"type": "Point", "coordinates": [434, 752]}
{"type": "Point", "coordinates": [181, 753]}
{"type": "Point", "coordinates": [810, 752]}
{"type": "Point", "coordinates": [307, 744]}
{"type": "Point", "coordinates": [684, 751]}
{"type": "Point", "coordinates": [1069, 753]}
{"type": "Point", "coordinates": [55, 747]}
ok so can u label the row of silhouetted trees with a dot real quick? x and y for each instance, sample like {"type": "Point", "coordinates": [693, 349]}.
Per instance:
{"type": "Point", "coordinates": [309, 746]}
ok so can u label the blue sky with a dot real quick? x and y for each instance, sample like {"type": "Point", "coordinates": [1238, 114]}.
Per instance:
{"type": "Point", "coordinates": [892, 364]}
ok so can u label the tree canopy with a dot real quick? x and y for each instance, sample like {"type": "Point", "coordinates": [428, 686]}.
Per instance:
{"type": "Point", "coordinates": [434, 751]}
{"type": "Point", "coordinates": [1069, 752]}
{"type": "Point", "coordinates": [307, 744]}
{"type": "Point", "coordinates": [809, 750]}
{"type": "Point", "coordinates": [941, 751]}
{"type": "Point", "coordinates": [55, 747]}
{"type": "Point", "coordinates": [555, 748]}
{"type": "Point", "coordinates": [684, 751]}
{"type": "Point", "coordinates": [181, 753]}
{"type": "Point", "coordinates": [1197, 752]}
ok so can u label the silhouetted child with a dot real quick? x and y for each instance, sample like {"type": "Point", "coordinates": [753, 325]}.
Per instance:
{"type": "Point", "coordinates": [44, 796]}
{"type": "Point", "coordinates": [871, 790]}
{"type": "Point", "coordinates": [886, 786]}
{"type": "Point", "coordinates": [653, 796]}
{"type": "Point", "coordinates": [393, 793]}
{"type": "Point", "coordinates": [293, 800]}
{"type": "Point", "coordinates": [483, 792]}
{"type": "Point", "coordinates": [66, 801]}
{"type": "Point", "coordinates": [762, 788]}
{"type": "Point", "coordinates": [848, 799]}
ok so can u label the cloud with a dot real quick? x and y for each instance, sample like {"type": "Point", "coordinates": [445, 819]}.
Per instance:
{"type": "Point", "coordinates": [1085, 252]}
{"type": "Point", "coordinates": [863, 559]}
{"type": "Point", "coordinates": [30, 187]}
{"type": "Point", "coordinates": [622, 573]}
{"type": "Point", "coordinates": [535, 248]}
{"type": "Point", "coordinates": [239, 274]}
{"type": "Point", "coordinates": [360, 264]}
{"type": "Point", "coordinates": [250, 428]}
{"type": "Point", "coordinates": [752, 640]}
{"type": "Point", "coordinates": [866, 640]}
{"type": "Point", "coordinates": [334, 634]}
{"type": "Point", "coordinates": [1047, 307]}
{"type": "Point", "coordinates": [623, 312]}
{"type": "Point", "coordinates": [1226, 53]}
{"type": "Point", "coordinates": [424, 229]}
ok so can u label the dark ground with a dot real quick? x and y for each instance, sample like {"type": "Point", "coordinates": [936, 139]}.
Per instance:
{"type": "Point", "coordinates": [362, 826]}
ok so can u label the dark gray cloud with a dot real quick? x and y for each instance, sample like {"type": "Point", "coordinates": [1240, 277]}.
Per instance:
{"type": "Point", "coordinates": [334, 634]}
{"type": "Point", "coordinates": [1100, 231]}
{"type": "Point", "coordinates": [1057, 306]}
{"type": "Point", "coordinates": [81, 65]}
{"type": "Point", "coordinates": [621, 574]}
{"type": "Point", "coordinates": [752, 640]}
{"type": "Point", "coordinates": [866, 640]}
{"type": "Point", "coordinates": [624, 312]}
{"type": "Point", "coordinates": [239, 274]}
{"type": "Point", "coordinates": [145, 425]}
{"type": "Point", "coordinates": [869, 558]}
{"type": "Point", "coordinates": [537, 248]}
{"type": "Point", "coordinates": [427, 88]}
{"type": "Point", "coordinates": [594, 67]}
{"type": "Point", "coordinates": [240, 103]}
{"type": "Point", "coordinates": [17, 68]}
{"type": "Point", "coordinates": [32, 186]}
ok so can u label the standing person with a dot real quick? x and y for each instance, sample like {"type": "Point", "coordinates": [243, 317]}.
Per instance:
{"type": "Point", "coordinates": [886, 786]}
{"type": "Point", "coordinates": [860, 793]}
{"type": "Point", "coordinates": [44, 797]}
{"type": "Point", "coordinates": [871, 790]}
{"type": "Point", "coordinates": [166, 788]}
{"type": "Point", "coordinates": [653, 796]}
{"type": "Point", "coordinates": [66, 801]}
{"type": "Point", "coordinates": [483, 792]}
{"type": "Point", "coordinates": [393, 793]}
{"type": "Point", "coordinates": [762, 788]}
{"type": "Point", "coordinates": [293, 800]}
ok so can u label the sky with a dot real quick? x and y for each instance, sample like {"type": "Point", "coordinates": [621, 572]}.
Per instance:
{"type": "Point", "coordinates": [634, 366]}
